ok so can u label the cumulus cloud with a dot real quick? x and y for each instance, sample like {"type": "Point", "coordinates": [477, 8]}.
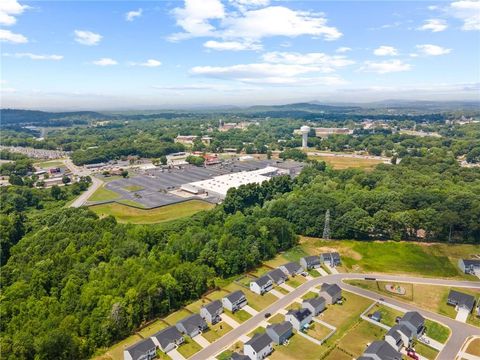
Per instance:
{"type": "Point", "coordinates": [88, 38]}
{"type": "Point", "coordinates": [11, 37]}
{"type": "Point", "coordinates": [385, 50]}
{"type": "Point", "coordinates": [35, 56]}
{"type": "Point", "coordinates": [105, 62]}
{"type": "Point", "coordinates": [148, 63]}
{"type": "Point", "coordinates": [432, 50]}
{"type": "Point", "coordinates": [232, 45]}
{"type": "Point", "coordinates": [8, 10]}
{"type": "Point", "coordinates": [343, 49]}
{"type": "Point", "coordinates": [384, 67]}
{"type": "Point", "coordinates": [434, 25]}
{"type": "Point", "coordinates": [131, 15]}
{"type": "Point", "coordinates": [467, 11]}
{"type": "Point", "coordinates": [319, 61]}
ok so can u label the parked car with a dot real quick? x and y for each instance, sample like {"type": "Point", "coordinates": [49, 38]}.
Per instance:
{"type": "Point", "coordinates": [267, 315]}
{"type": "Point", "coordinates": [411, 353]}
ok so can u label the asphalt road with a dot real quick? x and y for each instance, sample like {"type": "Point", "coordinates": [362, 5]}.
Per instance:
{"type": "Point", "coordinates": [78, 171]}
{"type": "Point", "coordinates": [460, 331]}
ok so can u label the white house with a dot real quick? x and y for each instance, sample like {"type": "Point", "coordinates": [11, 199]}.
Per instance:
{"type": "Point", "coordinates": [234, 301]}
{"type": "Point", "coordinates": [261, 285]}
{"type": "Point", "coordinates": [258, 347]}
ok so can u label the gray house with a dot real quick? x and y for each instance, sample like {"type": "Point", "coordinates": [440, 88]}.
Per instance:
{"type": "Point", "coordinates": [398, 336]}
{"type": "Point", "coordinates": [291, 269]}
{"type": "Point", "coordinates": [299, 318]}
{"type": "Point", "coordinates": [211, 312]}
{"type": "Point", "coordinates": [168, 339]}
{"type": "Point", "coordinates": [331, 292]}
{"type": "Point", "coordinates": [143, 350]}
{"type": "Point", "coordinates": [461, 300]}
{"type": "Point", "coordinates": [469, 266]}
{"type": "Point", "coordinates": [316, 305]}
{"type": "Point", "coordinates": [261, 285]}
{"type": "Point", "coordinates": [310, 262]}
{"type": "Point", "coordinates": [332, 259]}
{"type": "Point", "coordinates": [192, 325]}
{"type": "Point", "coordinates": [258, 347]}
{"type": "Point", "coordinates": [234, 301]}
{"type": "Point", "coordinates": [380, 350]}
{"type": "Point", "coordinates": [279, 333]}
{"type": "Point", "coordinates": [414, 321]}
{"type": "Point", "coordinates": [277, 276]}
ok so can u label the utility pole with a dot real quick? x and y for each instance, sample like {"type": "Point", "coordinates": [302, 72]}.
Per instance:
{"type": "Point", "coordinates": [326, 228]}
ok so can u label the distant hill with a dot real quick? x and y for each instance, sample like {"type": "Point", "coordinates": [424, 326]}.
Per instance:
{"type": "Point", "coordinates": [43, 118]}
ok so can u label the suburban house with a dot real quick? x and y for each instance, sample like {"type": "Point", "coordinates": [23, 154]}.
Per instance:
{"type": "Point", "coordinates": [299, 318]}
{"type": "Point", "coordinates": [332, 259]}
{"type": "Point", "coordinates": [291, 269]}
{"type": "Point", "coordinates": [237, 356]}
{"type": "Point", "coordinates": [399, 336]}
{"type": "Point", "coordinates": [168, 339]}
{"type": "Point", "coordinates": [310, 262]}
{"type": "Point", "coordinates": [258, 347]}
{"type": "Point", "coordinates": [280, 332]}
{"type": "Point", "coordinates": [143, 350]}
{"type": "Point", "coordinates": [414, 321]}
{"type": "Point", "coordinates": [331, 293]}
{"type": "Point", "coordinates": [261, 285]}
{"type": "Point", "coordinates": [277, 276]}
{"type": "Point", "coordinates": [469, 266]}
{"type": "Point", "coordinates": [192, 325]}
{"type": "Point", "coordinates": [211, 312]}
{"type": "Point", "coordinates": [234, 301]}
{"type": "Point", "coordinates": [461, 300]}
{"type": "Point", "coordinates": [316, 305]}
{"type": "Point", "coordinates": [380, 350]}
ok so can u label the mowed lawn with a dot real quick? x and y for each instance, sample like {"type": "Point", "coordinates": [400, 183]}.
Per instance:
{"type": "Point", "coordinates": [103, 194]}
{"type": "Point", "coordinates": [356, 340]}
{"type": "Point", "coordinates": [342, 162]}
{"type": "Point", "coordinates": [128, 214]}
{"type": "Point", "coordinates": [298, 348]}
{"type": "Point", "coordinates": [258, 302]}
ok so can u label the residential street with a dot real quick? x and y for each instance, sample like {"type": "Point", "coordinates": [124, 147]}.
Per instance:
{"type": "Point", "coordinates": [460, 331]}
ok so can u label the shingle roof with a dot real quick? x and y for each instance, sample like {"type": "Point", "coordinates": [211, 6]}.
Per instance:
{"type": "Point", "coordinates": [383, 350]}
{"type": "Point", "coordinates": [139, 349]}
{"type": "Point", "coordinates": [316, 301]}
{"type": "Point", "coordinates": [414, 318]}
{"type": "Point", "coordinates": [312, 259]}
{"type": "Point", "coordinates": [262, 281]}
{"type": "Point", "coordinates": [471, 262]}
{"type": "Point", "coordinates": [300, 314]}
{"type": "Point", "coordinates": [330, 289]}
{"type": "Point", "coordinates": [276, 275]}
{"type": "Point", "coordinates": [393, 332]}
{"type": "Point", "coordinates": [292, 267]}
{"type": "Point", "coordinates": [213, 307]}
{"type": "Point", "coordinates": [235, 296]}
{"type": "Point", "coordinates": [167, 336]}
{"type": "Point", "coordinates": [192, 323]}
{"type": "Point", "coordinates": [281, 328]}
{"type": "Point", "coordinates": [259, 342]}
{"type": "Point", "coordinates": [462, 299]}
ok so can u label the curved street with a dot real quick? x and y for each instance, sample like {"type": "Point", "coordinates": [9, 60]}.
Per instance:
{"type": "Point", "coordinates": [459, 331]}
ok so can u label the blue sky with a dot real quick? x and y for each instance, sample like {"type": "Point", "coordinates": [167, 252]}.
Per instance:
{"type": "Point", "coordinates": [160, 54]}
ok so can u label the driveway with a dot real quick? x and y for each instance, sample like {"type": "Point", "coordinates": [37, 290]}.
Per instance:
{"type": "Point", "coordinates": [287, 287]}
{"type": "Point", "coordinates": [175, 355]}
{"type": "Point", "coordinates": [331, 269]}
{"type": "Point", "coordinates": [200, 340]}
{"type": "Point", "coordinates": [250, 310]}
{"type": "Point", "coordinates": [229, 320]}
{"type": "Point", "coordinates": [277, 293]}
{"type": "Point", "coordinates": [462, 315]}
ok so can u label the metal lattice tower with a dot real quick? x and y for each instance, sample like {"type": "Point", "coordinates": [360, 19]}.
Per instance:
{"type": "Point", "coordinates": [326, 228]}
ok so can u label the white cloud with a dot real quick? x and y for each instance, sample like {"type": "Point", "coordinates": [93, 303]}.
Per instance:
{"type": "Point", "coordinates": [434, 25]}
{"type": "Point", "coordinates": [148, 63]}
{"type": "Point", "coordinates": [35, 56]}
{"type": "Point", "coordinates": [384, 67]}
{"type": "Point", "coordinates": [232, 45]}
{"type": "Point", "coordinates": [319, 61]}
{"type": "Point", "coordinates": [105, 62]}
{"type": "Point", "coordinates": [385, 50]}
{"type": "Point", "coordinates": [432, 50]}
{"type": "Point", "coordinates": [343, 49]}
{"type": "Point", "coordinates": [9, 9]}
{"type": "Point", "coordinates": [8, 36]}
{"type": "Point", "coordinates": [468, 11]}
{"type": "Point", "coordinates": [131, 15]}
{"type": "Point", "coordinates": [87, 37]}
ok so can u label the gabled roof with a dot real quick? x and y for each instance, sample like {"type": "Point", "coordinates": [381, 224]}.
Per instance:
{"type": "Point", "coordinates": [393, 332]}
{"type": "Point", "coordinates": [414, 318]}
{"type": "Point", "coordinates": [262, 281]}
{"type": "Point", "coordinates": [461, 299]}
{"type": "Point", "coordinates": [471, 262]}
{"type": "Point", "coordinates": [383, 350]}
{"type": "Point", "coordinates": [213, 307]}
{"type": "Point", "coordinates": [312, 260]}
{"type": "Point", "coordinates": [300, 314]}
{"type": "Point", "coordinates": [330, 289]}
{"type": "Point", "coordinates": [192, 323]}
{"type": "Point", "coordinates": [167, 336]}
{"type": "Point", "coordinates": [316, 301]}
{"type": "Point", "coordinates": [235, 296]}
{"type": "Point", "coordinates": [276, 275]}
{"type": "Point", "coordinates": [292, 267]}
{"type": "Point", "coordinates": [139, 349]}
{"type": "Point", "coordinates": [259, 342]}
{"type": "Point", "coordinates": [281, 328]}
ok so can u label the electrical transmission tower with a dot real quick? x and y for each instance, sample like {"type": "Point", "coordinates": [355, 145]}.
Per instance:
{"type": "Point", "coordinates": [326, 228]}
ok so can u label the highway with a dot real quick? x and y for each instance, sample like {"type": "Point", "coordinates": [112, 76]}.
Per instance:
{"type": "Point", "coordinates": [460, 331]}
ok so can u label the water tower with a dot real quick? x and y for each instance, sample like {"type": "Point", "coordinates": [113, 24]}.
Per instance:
{"type": "Point", "coordinates": [304, 130]}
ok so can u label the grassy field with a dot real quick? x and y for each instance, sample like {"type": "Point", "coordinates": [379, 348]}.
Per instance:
{"type": "Point", "coordinates": [116, 351]}
{"type": "Point", "coordinates": [103, 194]}
{"type": "Point", "coordinates": [341, 162]}
{"type": "Point", "coordinates": [425, 351]}
{"type": "Point", "coordinates": [318, 331]}
{"type": "Point", "coordinates": [50, 164]}
{"type": "Point", "coordinates": [240, 315]}
{"type": "Point", "coordinates": [127, 214]}
{"type": "Point", "coordinates": [388, 314]}
{"type": "Point", "coordinates": [189, 347]}
{"type": "Point", "coordinates": [133, 188]}
{"type": "Point", "coordinates": [436, 331]}
{"type": "Point", "coordinates": [173, 318]}
{"type": "Point", "coordinates": [216, 331]}
{"type": "Point", "coordinates": [153, 328]}
{"type": "Point", "coordinates": [474, 347]}
{"type": "Point", "coordinates": [258, 302]}
{"type": "Point", "coordinates": [278, 318]}
{"type": "Point", "coordinates": [355, 341]}
{"type": "Point", "coordinates": [297, 346]}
